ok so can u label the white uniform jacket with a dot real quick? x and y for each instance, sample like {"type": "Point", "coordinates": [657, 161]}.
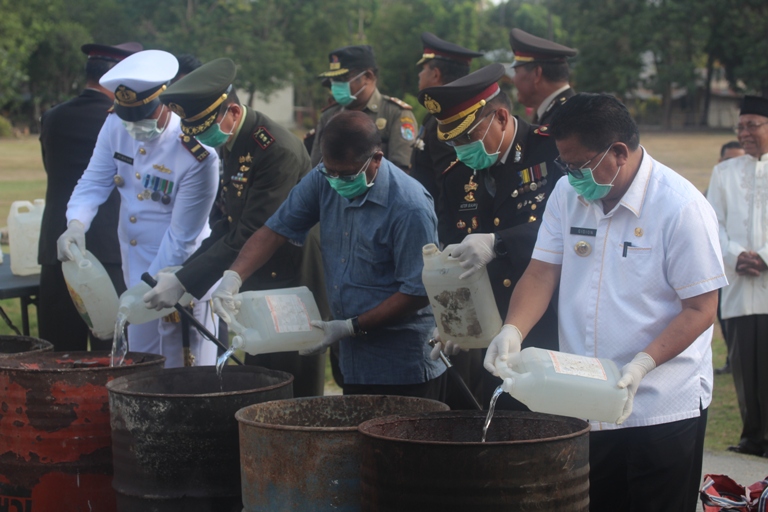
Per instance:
{"type": "Point", "coordinates": [154, 233]}
{"type": "Point", "coordinates": [738, 192]}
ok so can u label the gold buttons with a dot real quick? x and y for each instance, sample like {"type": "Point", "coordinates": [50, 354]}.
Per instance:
{"type": "Point", "coordinates": [140, 197]}
{"type": "Point", "coordinates": [496, 221]}
{"type": "Point", "coordinates": [469, 230]}
{"type": "Point", "coordinates": [138, 176]}
{"type": "Point", "coordinates": [507, 283]}
{"type": "Point", "coordinates": [229, 218]}
{"type": "Point", "coordinates": [142, 151]}
{"type": "Point", "coordinates": [132, 219]}
{"type": "Point", "coordinates": [274, 275]}
{"type": "Point", "coordinates": [239, 193]}
{"type": "Point", "coordinates": [533, 207]}
{"type": "Point", "coordinates": [224, 189]}
{"type": "Point", "coordinates": [133, 243]}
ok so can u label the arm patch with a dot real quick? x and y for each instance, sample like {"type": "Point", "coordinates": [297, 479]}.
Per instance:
{"type": "Point", "coordinates": [194, 147]}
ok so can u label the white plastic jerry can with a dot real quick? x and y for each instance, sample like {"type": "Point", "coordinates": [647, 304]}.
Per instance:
{"type": "Point", "coordinates": [136, 311]}
{"type": "Point", "coordinates": [92, 292]}
{"type": "Point", "coordinates": [24, 221]}
{"type": "Point", "coordinates": [276, 321]}
{"type": "Point", "coordinates": [465, 309]}
{"type": "Point", "coordinates": [565, 384]}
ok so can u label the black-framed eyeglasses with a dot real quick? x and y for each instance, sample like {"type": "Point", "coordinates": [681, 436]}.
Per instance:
{"type": "Point", "coordinates": [465, 138]}
{"type": "Point", "coordinates": [750, 127]}
{"type": "Point", "coordinates": [334, 175]}
{"type": "Point", "coordinates": [576, 172]}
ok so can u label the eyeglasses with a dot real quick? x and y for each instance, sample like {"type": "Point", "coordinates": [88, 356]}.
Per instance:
{"type": "Point", "coordinates": [334, 175]}
{"type": "Point", "coordinates": [465, 137]}
{"type": "Point", "coordinates": [576, 172]}
{"type": "Point", "coordinates": [750, 127]}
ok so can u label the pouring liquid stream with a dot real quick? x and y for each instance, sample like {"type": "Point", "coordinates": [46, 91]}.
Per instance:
{"type": "Point", "coordinates": [221, 362]}
{"type": "Point", "coordinates": [119, 343]}
{"type": "Point", "coordinates": [496, 394]}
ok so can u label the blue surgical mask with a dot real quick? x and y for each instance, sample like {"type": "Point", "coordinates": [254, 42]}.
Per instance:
{"type": "Point", "coordinates": [587, 187]}
{"type": "Point", "coordinates": [144, 130]}
{"type": "Point", "coordinates": [474, 155]}
{"type": "Point", "coordinates": [342, 92]}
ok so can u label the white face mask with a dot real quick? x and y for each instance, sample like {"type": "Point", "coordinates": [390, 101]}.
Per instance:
{"type": "Point", "coordinates": [144, 130]}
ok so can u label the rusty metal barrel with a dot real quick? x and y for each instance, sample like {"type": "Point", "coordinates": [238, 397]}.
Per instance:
{"type": "Point", "coordinates": [12, 346]}
{"type": "Point", "coordinates": [55, 444]}
{"type": "Point", "coordinates": [174, 435]}
{"type": "Point", "coordinates": [530, 462]}
{"type": "Point", "coordinates": [303, 455]}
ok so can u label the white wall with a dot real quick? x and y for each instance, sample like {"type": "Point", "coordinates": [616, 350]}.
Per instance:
{"type": "Point", "coordinates": [279, 106]}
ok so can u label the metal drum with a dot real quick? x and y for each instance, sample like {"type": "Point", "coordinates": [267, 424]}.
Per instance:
{"type": "Point", "coordinates": [436, 462]}
{"type": "Point", "coordinates": [55, 445]}
{"type": "Point", "coordinates": [175, 439]}
{"type": "Point", "coordinates": [12, 346]}
{"type": "Point", "coordinates": [303, 455]}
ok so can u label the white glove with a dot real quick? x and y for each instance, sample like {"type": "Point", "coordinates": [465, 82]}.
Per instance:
{"type": "Point", "coordinates": [449, 348]}
{"type": "Point", "coordinates": [474, 252]}
{"type": "Point", "coordinates": [75, 234]}
{"type": "Point", "coordinates": [224, 303]}
{"type": "Point", "coordinates": [632, 373]}
{"type": "Point", "coordinates": [334, 331]}
{"type": "Point", "coordinates": [507, 342]}
{"type": "Point", "coordinates": [166, 292]}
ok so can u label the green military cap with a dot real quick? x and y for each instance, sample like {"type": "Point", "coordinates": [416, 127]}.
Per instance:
{"type": "Point", "coordinates": [529, 48]}
{"type": "Point", "coordinates": [196, 97]}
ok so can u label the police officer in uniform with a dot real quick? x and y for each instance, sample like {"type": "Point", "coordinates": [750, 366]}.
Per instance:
{"type": "Point", "coordinates": [541, 73]}
{"type": "Point", "coordinates": [353, 74]}
{"type": "Point", "coordinates": [67, 136]}
{"type": "Point", "coordinates": [262, 163]}
{"type": "Point", "coordinates": [167, 184]}
{"type": "Point", "coordinates": [441, 63]}
{"type": "Point", "coordinates": [515, 161]}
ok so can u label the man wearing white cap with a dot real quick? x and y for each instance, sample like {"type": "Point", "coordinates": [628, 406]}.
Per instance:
{"type": "Point", "coordinates": [167, 183]}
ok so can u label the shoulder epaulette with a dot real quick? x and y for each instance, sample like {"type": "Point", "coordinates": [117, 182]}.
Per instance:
{"type": "Point", "coordinates": [263, 138]}
{"type": "Point", "coordinates": [542, 130]}
{"type": "Point", "coordinates": [310, 133]}
{"type": "Point", "coordinates": [194, 147]}
{"type": "Point", "coordinates": [451, 166]}
{"type": "Point", "coordinates": [400, 103]}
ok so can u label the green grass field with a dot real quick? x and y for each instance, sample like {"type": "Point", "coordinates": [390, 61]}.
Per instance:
{"type": "Point", "coordinates": [691, 154]}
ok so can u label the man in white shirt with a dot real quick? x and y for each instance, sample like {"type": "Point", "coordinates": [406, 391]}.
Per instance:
{"type": "Point", "coordinates": [738, 191]}
{"type": "Point", "coordinates": [167, 184]}
{"type": "Point", "coordinates": [633, 247]}
{"type": "Point", "coordinates": [541, 74]}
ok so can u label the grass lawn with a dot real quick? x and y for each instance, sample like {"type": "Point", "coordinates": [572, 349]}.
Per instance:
{"type": "Point", "coordinates": [691, 154]}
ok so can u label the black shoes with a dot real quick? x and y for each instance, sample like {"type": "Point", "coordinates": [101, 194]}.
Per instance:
{"type": "Point", "coordinates": [748, 450]}
{"type": "Point", "coordinates": [722, 371]}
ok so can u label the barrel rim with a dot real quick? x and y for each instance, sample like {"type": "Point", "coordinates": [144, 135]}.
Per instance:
{"type": "Point", "coordinates": [240, 414]}
{"type": "Point", "coordinates": [38, 345]}
{"type": "Point", "coordinates": [30, 357]}
{"type": "Point", "coordinates": [121, 381]}
{"type": "Point", "coordinates": [520, 414]}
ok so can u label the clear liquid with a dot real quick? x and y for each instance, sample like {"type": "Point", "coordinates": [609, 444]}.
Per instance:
{"type": "Point", "coordinates": [119, 342]}
{"type": "Point", "coordinates": [221, 362]}
{"type": "Point", "coordinates": [496, 394]}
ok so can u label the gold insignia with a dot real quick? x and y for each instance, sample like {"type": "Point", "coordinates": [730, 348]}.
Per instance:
{"type": "Point", "coordinates": [582, 248]}
{"type": "Point", "coordinates": [142, 151]}
{"type": "Point", "coordinates": [381, 123]}
{"type": "Point", "coordinates": [474, 223]}
{"type": "Point", "coordinates": [461, 224]}
{"type": "Point", "coordinates": [125, 95]}
{"type": "Point", "coordinates": [532, 218]}
{"type": "Point", "coordinates": [119, 181]}
{"type": "Point", "coordinates": [432, 105]}
{"type": "Point", "coordinates": [638, 232]}
{"type": "Point", "coordinates": [470, 197]}
{"type": "Point", "coordinates": [471, 185]}
{"type": "Point", "coordinates": [162, 168]}
{"type": "Point", "coordinates": [177, 109]}
{"type": "Point", "coordinates": [496, 221]}
{"type": "Point", "coordinates": [244, 168]}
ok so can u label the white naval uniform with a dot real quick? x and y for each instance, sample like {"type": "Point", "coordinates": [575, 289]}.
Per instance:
{"type": "Point", "coordinates": [152, 235]}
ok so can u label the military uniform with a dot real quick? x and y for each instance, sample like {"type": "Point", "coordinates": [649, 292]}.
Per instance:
{"type": "Point", "coordinates": [395, 121]}
{"type": "Point", "coordinates": [393, 117]}
{"type": "Point", "coordinates": [262, 163]}
{"type": "Point", "coordinates": [552, 107]}
{"type": "Point", "coordinates": [167, 186]}
{"type": "Point", "coordinates": [507, 199]}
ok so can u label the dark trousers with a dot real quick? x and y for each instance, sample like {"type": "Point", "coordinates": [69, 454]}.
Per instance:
{"type": "Point", "coordinates": [434, 389]}
{"type": "Point", "coordinates": [749, 362]}
{"type": "Point", "coordinates": [58, 320]}
{"type": "Point", "coordinates": [647, 469]}
{"type": "Point", "coordinates": [308, 371]}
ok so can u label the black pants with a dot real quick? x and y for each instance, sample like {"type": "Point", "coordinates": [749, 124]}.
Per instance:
{"type": "Point", "coordinates": [433, 389]}
{"type": "Point", "coordinates": [749, 361]}
{"type": "Point", "coordinates": [308, 371]}
{"type": "Point", "coordinates": [647, 469]}
{"type": "Point", "coordinates": [58, 320]}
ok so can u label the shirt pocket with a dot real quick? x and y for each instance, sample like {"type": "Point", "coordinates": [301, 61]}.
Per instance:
{"type": "Point", "coordinates": [370, 265]}
{"type": "Point", "coordinates": [637, 265]}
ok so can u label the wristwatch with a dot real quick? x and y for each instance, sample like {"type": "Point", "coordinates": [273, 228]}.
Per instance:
{"type": "Point", "coordinates": [499, 247]}
{"type": "Point", "coordinates": [356, 330]}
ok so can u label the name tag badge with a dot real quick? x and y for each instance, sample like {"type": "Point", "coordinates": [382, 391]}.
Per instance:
{"type": "Point", "coordinates": [123, 158]}
{"type": "Point", "coordinates": [584, 231]}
